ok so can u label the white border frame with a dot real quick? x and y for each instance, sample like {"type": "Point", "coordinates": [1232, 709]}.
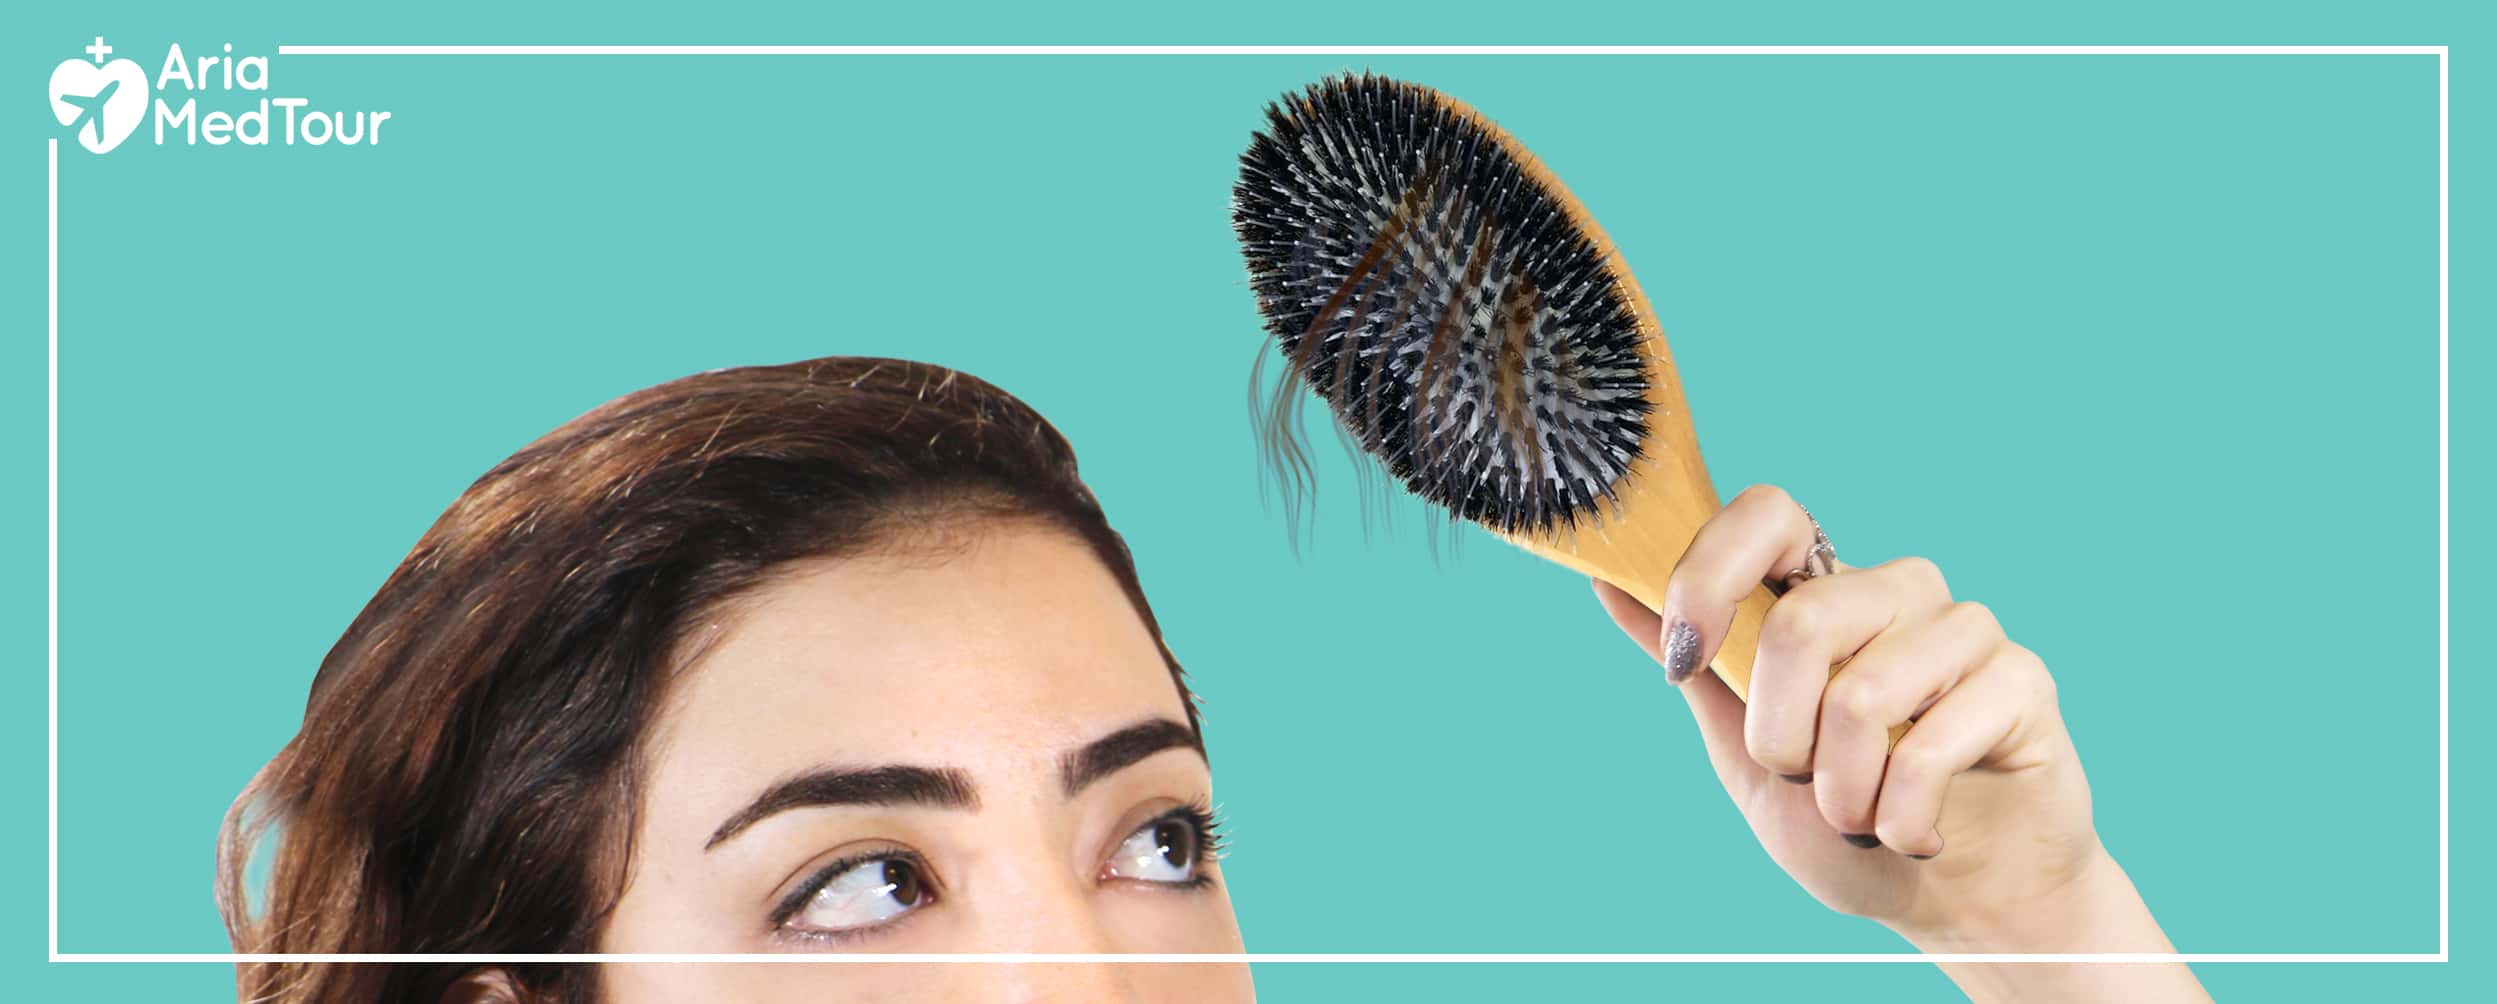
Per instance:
{"type": "Point", "coordinates": [2443, 816]}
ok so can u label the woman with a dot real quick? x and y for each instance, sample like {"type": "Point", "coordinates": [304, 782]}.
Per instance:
{"type": "Point", "coordinates": [841, 655]}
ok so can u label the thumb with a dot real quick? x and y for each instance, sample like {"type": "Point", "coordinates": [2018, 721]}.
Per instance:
{"type": "Point", "coordinates": [1718, 713]}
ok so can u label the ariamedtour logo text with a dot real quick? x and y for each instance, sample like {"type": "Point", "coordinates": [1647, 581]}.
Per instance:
{"type": "Point", "coordinates": [104, 102]}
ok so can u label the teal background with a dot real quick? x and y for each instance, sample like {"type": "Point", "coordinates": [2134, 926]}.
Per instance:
{"type": "Point", "coordinates": [2142, 351]}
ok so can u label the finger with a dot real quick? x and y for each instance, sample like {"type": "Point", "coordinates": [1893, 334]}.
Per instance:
{"type": "Point", "coordinates": [1892, 680]}
{"type": "Point", "coordinates": [1818, 624]}
{"type": "Point", "coordinates": [1762, 532]}
{"type": "Point", "coordinates": [1717, 711]}
{"type": "Point", "coordinates": [1985, 714]}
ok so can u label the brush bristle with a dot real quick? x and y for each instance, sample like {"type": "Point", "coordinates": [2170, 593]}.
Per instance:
{"type": "Point", "coordinates": [1454, 317]}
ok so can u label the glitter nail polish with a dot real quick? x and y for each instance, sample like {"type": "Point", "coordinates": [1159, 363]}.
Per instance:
{"type": "Point", "coordinates": [1681, 651]}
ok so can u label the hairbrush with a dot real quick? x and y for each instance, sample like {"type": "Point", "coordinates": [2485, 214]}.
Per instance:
{"type": "Point", "coordinates": [1474, 331]}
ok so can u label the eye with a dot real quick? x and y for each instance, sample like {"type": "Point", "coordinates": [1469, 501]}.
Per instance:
{"type": "Point", "coordinates": [859, 893]}
{"type": "Point", "coordinates": [1167, 849]}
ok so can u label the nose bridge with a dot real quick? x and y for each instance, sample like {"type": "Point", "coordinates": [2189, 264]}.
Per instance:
{"type": "Point", "coordinates": [1047, 907]}
{"type": "Point", "coordinates": [1055, 914]}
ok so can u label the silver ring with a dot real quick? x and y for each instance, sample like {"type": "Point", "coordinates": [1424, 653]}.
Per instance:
{"type": "Point", "coordinates": [1821, 560]}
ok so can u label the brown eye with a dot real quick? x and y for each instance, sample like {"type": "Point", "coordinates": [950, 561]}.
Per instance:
{"type": "Point", "coordinates": [1165, 850]}
{"type": "Point", "coordinates": [861, 894]}
{"type": "Point", "coordinates": [1178, 843]}
{"type": "Point", "coordinates": [902, 878]}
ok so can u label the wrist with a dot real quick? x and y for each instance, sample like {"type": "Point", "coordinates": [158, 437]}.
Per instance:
{"type": "Point", "coordinates": [2097, 911]}
{"type": "Point", "coordinates": [2094, 909]}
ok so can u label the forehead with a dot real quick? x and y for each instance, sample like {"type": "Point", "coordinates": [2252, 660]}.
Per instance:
{"type": "Point", "coordinates": [993, 653]}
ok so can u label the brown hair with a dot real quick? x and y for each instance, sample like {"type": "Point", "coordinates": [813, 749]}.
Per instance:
{"type": "Point", "coordinates": [465, 779]}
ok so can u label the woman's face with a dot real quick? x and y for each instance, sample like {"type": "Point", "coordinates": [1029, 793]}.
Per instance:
{"type": "Point", "coordinates": [969, 747]}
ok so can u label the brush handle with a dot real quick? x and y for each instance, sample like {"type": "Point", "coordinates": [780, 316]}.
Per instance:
{"type": "Point", "coordinates": [1742, 641]}
{"type": "Point", "coordinates": [1742, 635]}
{"type": "Point", "coordinates": [1620, 558]}
{"type": "Point", "coordinates": [1638, 557]}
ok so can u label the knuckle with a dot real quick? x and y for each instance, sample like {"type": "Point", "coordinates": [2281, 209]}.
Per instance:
{"type": "Point", "coordinates": [2046, 686]}
{"type": "Point", "coordinates": [1923, 572]}
{"type": "Point", "coordinates": [1977, 616]}
{"type": "Point", "coordinates": [1795, 620]}
{"type": "Point", "coordinates": [1764, 495]}
{"type": "Point", "coordinates": [2029, 664]}
{"type": "Point", "coordinates": [1857, 698]}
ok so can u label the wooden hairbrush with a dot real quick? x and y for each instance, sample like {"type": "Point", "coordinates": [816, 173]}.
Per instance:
{"type": "Point", "coordinates": [1470, 325]}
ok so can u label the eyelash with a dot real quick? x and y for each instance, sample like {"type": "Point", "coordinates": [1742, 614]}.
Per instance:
{"type": "Point", "coordinates": [797, 900]}
{"type": "Point", "coordinates": [1211, 846]}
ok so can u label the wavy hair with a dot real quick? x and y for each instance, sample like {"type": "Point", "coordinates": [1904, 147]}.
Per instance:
{"type": "Point", "coordinates": [465, 777]}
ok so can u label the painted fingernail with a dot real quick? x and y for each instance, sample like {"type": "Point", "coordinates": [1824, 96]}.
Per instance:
{"type": "Point", "coordinates": [1937, 849]}
{"type": "Point", "coordinates": [1864, 840]}
{"type": "Point", "coordinates": [1796, 778]}
{"type": "Point", "coordinates": [1681, 651]}
{"type": "Point", "coordinates": [1920, 857]}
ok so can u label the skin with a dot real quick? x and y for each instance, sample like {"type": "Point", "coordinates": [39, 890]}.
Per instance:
{"type": "Point", "coordinates": [1985, 790]}
{"type": "Point", "coordinates": [993, 653]}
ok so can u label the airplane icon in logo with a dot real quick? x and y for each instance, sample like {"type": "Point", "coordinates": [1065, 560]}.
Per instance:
{"type": "Point", "coordinates": [110, 95]}
{"type": "Point", "coordinates": [91, 109]}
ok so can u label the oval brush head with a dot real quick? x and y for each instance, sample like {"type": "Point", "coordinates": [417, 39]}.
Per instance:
{"type": "Point", "coordinates": [1470, 326]}
{"type": "Point", "coordinates": [1456, 319]}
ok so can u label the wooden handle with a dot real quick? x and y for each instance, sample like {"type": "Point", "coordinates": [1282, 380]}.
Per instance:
{"type": "Point", "coordinates": [1638, 558]}
{"type": "Point", "coordinates": [1742, 642]}
{"type": "Point", "coordinates": [1643, 576]}
{"type": "Point", "coordinates": [1742, 635]}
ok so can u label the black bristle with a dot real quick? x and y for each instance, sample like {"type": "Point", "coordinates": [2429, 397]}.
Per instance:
{"type": "Point", "coordinates": [1443, 303]}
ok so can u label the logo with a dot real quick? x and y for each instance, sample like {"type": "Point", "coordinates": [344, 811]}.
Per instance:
{"type": "Point", "coordinates": [104, 103]}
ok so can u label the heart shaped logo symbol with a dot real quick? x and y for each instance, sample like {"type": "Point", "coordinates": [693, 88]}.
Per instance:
{"type": "Point", "coordinates": [103, 103]}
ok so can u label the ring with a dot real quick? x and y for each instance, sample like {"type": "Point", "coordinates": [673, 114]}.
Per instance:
{"type": "Point", "coordinates": [1821, 560]}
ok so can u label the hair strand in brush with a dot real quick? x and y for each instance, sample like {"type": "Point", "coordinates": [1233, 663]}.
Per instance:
{"type": "Point", "coordinates": [1422, 281]}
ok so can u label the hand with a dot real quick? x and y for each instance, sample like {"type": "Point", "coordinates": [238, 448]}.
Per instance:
{"type": "Point", "coordinates": [1973, 834]}
{"type": "Point", "coordinates": [1865, 828]}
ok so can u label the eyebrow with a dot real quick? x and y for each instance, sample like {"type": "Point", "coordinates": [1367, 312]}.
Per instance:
{"type": "Point", "coordinates": [934, 787]}
{"type": "Point", "coordinates": [1123, 748]}
{"type": "Point", "coordinates": [947, 787]}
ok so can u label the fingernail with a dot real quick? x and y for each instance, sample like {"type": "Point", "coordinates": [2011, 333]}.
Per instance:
{"type": "Point", "coordinates": [1681, 651]}
{"type": "Point", "coordinates": [1864, 840]}
{"type": "Point", "coordinates": [1921, 857]}
{"type": "Point", "coordinates": [1796, 778]}
{"type": "Point", "coordinates": [1937, 849]}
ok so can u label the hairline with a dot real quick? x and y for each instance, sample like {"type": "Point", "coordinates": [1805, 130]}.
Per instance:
{"type": "Point", "coordinates": [946, 528]}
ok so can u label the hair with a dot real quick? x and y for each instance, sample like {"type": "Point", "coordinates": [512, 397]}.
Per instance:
{"type": "Point", "coordinates": [465, 780]}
